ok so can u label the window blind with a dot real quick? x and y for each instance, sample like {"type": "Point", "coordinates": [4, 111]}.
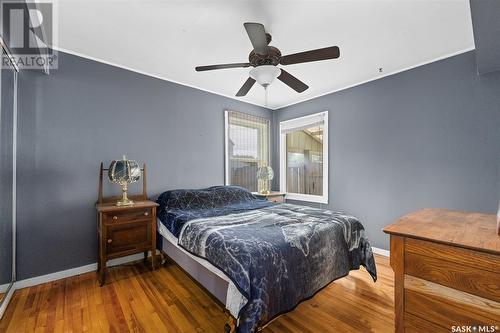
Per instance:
{"type": "Point", "coordinates": [247, 148]}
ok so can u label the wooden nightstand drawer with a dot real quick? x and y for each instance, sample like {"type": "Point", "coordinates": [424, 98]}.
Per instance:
{"type": "Point", "coordinates": [278, 197]}
{"type": "Point", "coordinates": [125, 237]}
{"type": "Point", "coordinates": [127, 215]}
{"type": "Point", "coordinates": [125, 230]}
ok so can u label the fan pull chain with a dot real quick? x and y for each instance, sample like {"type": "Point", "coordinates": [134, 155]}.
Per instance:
{"type": "Point", "coordinates": [265, 89]}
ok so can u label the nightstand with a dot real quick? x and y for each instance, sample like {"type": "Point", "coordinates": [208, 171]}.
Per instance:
{"type": "Point", "coordinates": [125, 230]}
{"type": "Point", "coordinates": [271, 196]}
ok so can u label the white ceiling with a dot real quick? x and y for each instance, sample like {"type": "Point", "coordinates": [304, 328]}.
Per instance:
{"type": "Point", "coordinates": [167, 39]}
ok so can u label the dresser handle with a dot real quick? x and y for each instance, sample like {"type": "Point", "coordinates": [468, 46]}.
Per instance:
{"type": "Point", "coordinates": [110, 241]}
{"type": "Point", "coordinates": [146, 214]}
{"type": "Point", "coordinates": [115, 217]}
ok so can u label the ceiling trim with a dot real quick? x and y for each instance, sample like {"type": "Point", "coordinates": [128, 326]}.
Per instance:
{"type": "Point", "coordinates": [449, 55]}
{"type": "Point", "coordinates": [81, 55]}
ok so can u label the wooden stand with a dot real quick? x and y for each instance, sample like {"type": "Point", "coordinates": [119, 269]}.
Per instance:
{"type": "Point", "coordinates": [124, 230]}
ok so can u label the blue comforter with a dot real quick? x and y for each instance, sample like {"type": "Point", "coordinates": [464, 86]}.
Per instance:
{"type": "Point", "coordinates": [276, 254]}
{"type": "Point", "coordinates": [179, 206]}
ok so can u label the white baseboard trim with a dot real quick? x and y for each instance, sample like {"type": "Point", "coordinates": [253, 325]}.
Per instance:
{"type": "Point", "coordinates": [4, 287]}
{"type": "Point", "coordinates": [380, 251]}
{"type": "Point", "coordinates": [61, 275]}
{"type": "Point", "coordinates": [73, 271]}
{"type": "Point", "coordinates": [6, 300]}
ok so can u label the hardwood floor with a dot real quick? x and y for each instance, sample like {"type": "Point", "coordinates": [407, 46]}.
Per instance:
{"type": "Point", "coordinates": [167, 300]}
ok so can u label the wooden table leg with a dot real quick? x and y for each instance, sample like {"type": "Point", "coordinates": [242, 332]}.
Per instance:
{"type": "Point", "coordinates": [153, 259]}
{"type": "Point", "coordinates": [101, 260]}
{"type": "Point", "coordinates": [153, 240]}
{"type": "Point", "coordinates": [102, 272]}
{"type": "Point", "coordinates": [397, 264]}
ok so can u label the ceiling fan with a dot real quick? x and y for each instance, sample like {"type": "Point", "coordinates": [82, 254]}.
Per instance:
{"type": "Point", "coordinates": [265, 58]}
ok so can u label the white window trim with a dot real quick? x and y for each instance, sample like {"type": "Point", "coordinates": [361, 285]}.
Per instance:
{"type": "Point", "coordinates": [226, 147]}
{"type": "Point", "coordinates": [296, 122]}
{"type": "Point", "coordinates": [227, 177]}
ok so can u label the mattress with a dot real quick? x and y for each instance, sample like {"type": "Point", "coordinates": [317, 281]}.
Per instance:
{"type": "Point", "coordinates": [270, 256]}
{"type": "Point", "coordinates": [212, 278]}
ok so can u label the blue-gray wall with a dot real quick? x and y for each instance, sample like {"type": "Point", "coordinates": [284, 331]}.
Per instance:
{"type": "Point", "coordinates": [427, 137]}
{"type": "Point", "coordinates": [486, 22]}
{"type": "Point", "coordinates": [86, 112]}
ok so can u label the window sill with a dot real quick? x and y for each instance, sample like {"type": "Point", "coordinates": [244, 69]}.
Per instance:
{"type": "Point", "coordinates": [307, 197]}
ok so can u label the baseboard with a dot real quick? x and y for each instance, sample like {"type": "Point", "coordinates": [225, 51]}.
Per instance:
{"type": "Point", "coordinates": [73, 271]}
{"type": "Point", "coordinates": [4, 287]}
{"type": "Point", "coordinates": [61, 275]}
{"type": "Point", "coordinates": [6, 300]}
{"type": "Point", "coordinates": [380, 251]}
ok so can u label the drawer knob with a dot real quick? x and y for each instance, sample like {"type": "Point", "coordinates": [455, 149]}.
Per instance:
{"type": "Point", "coordinates": [146, 213]}
{"type": "Point", "coordinates": [115, 217]}
{"type": "Point", "coordinates": [110, 241]}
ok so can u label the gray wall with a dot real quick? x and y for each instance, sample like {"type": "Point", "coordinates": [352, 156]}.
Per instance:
{"type": "Point", "coordinates": [486, 22]}
{"type": "Point", "coordinates": [86, 112]}
{"type": "Point", "coordinates": [6, 174]}
{"type": "Point", "coordinates": [427, 137]}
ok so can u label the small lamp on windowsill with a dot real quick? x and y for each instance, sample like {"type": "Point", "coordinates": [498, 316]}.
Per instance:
{"type": "Point", "coordinates": [124, 172]}
{"type": "Point", "coordinates": [266, 174]}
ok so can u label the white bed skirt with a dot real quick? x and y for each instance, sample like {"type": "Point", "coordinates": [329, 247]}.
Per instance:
{"type": "Point", "coordinates": [209, 276]}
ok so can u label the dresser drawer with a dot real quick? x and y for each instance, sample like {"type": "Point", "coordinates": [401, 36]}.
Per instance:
{"type": "Point", "coordinates": [414, 324]}
{"type": "Point", "coordinates": [447, 307]}
{"type": "Point", "coordinates": [127, 215]}
{"type": "Point", "coordinates": [462, 256]}
{"type": "Point", "coordinates": [454, 275]}
{"type": "Point", "coordinates": [128, 237]}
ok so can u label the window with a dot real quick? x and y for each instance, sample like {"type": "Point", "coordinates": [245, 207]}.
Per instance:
{"type": "Point", "coordinates": [246, 148]}
{"type": "Point", "coordinates": [304, 158]}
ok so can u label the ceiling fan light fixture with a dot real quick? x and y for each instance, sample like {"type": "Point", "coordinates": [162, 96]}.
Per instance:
{"type": "Point", "coordinates": [265, 74]}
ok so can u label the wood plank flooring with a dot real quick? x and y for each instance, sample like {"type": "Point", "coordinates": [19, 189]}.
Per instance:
{"type": "Point", "coordinates": [167, 300]}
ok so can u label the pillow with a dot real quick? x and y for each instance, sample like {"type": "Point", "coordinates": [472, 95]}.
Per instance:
{"type": "Point", "coordinates": [207, 198]}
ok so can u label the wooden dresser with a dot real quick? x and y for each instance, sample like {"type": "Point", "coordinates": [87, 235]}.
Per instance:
{"type": "Point", "coordinates": [446, 272]}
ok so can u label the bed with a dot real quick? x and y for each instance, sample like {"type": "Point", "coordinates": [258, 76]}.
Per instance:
{"type": "Point", "coordinates": [259, 259]}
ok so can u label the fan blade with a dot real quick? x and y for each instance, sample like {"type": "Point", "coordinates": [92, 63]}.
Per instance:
{"type": "Point", "coordinates": [223, 66]}
{"type": "Point", "coordinates": [257, 35]}
{"type": "Point", "coordinates": [326, 53]}
{"type": "Point", "coordinates": [246, 87]}
{"type": "Point", "coordinates": [292, 81]}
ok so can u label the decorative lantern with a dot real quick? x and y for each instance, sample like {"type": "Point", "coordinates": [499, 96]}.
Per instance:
{"type": "Point", "coordinates": [265, 173]}
{"type": "Point", "coordinates": [124, 172]}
